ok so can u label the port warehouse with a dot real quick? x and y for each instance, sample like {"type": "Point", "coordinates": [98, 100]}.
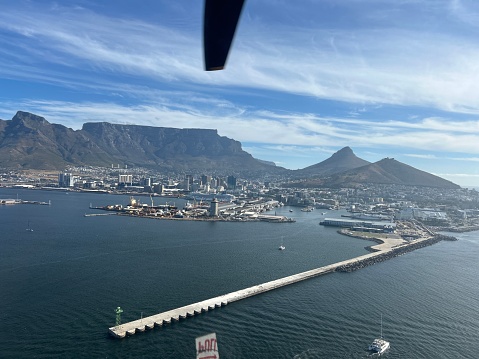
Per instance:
{"type": "Point", "coordinates": [365, 226]}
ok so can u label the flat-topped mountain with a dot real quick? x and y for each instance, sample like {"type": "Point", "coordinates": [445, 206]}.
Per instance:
{"type": "Point", "coordinates": [30, 141]}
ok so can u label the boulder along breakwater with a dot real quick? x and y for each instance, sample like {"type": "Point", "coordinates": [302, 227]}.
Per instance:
{"type": "Point", "coordinates": [349, 265]}
{"type": "Point", "coordinates": [395, 252]}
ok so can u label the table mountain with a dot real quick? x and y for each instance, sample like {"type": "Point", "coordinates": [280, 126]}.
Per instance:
{"type": "Point", "coordinates": [30, 141]}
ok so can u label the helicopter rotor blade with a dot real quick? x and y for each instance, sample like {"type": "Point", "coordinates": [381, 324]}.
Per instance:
{"type": "Point", "coordinates": [219, 26]}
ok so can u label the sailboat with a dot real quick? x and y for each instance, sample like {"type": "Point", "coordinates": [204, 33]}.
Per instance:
{"type": "Point", "coordinates": [282, 247]}
{"type": "Point", "coordinates": [380, 345]}
{"type": "Point", "coordinates": [29, 229]}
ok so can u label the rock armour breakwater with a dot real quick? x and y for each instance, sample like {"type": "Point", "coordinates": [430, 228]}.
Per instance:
{"type": "Point", "coordinates": [395, 252]}
{"type": "Point", "coordinates": [349, 265]}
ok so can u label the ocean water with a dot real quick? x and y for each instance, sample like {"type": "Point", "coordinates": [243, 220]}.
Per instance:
{"type": "Point", "coordinates": [60, 284]}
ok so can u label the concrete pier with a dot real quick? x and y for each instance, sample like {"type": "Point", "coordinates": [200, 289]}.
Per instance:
{"type": "Point", "coordinates": [139, 325]}
{"type": "Point", "coordinates": [388, 249]}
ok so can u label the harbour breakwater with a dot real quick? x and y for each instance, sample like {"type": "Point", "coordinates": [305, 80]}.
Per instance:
{"type": "Point", "coordinates": [394, 252]}
{"type": "Point", "coordinates": [158, 320]}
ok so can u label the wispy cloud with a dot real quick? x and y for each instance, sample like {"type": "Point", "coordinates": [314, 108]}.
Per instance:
{"type": "Point", "coordinates": [465, 179]}
{"type": "Point", "coordinates": [442, 158]}
{"type": "Point", "coordinates": [383, 77]}
{"type": "Point", "coordinates": [281, 130]}
{"type": "Point", "coordinates": [465, 11]}
{"type": "Point", "coordinates": [365, 65]}
{"type": "Point", "coordinates": [428, 157]}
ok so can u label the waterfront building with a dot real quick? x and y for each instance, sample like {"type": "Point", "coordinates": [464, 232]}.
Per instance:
{"type": "Point", "coordinates": [158, 188]}
{"type": "Point", "coordinates": [214, 208]}
{"type": "Point", "coordinates": [89, 185]}
{"type": "Point", "coordinates": [359, 224]}
{"type": "Point", "coordinates": [406, 214]}
{"type": "Point", "coordinates": [145, 182]}
{"type": "Point", "coordinates": [125, 179]}
{"type": "Point", "coordinates": [66, 180]}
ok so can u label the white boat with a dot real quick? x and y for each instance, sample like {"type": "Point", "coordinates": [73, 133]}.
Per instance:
{"type": "Point", "coordinates": [29, 229]}
{"type": "Point", "coordinates": [379, 345]}
{"type": "Point", "coordinates": [282, 247]}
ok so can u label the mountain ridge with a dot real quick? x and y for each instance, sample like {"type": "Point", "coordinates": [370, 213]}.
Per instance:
{"type": "Point", "coordinates": [340, 161]}
{"type": "Point", "coordinates": [390, 171]}
{"type": "Point", "coordinates": [29, 141]}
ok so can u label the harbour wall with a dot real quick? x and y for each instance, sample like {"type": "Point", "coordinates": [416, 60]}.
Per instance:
{"type": "Point", "coordinates": [400, 250]}
{"type": "Point", "coordinates": [184, 312]}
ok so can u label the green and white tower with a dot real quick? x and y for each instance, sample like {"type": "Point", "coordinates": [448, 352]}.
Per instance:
{"type": "Point", "coordinates": [118, 312]}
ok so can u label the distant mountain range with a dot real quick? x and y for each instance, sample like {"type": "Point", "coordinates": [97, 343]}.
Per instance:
{"type": "Point", "coordinates": [29, 141]}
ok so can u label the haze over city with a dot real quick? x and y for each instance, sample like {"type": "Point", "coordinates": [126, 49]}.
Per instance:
{"type": "Point", "coordinates": [303, 79]}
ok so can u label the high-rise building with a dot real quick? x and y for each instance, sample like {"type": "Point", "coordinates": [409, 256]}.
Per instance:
{"type": "Point", "coordinates": [146, 182]}
{"type": "Point", "coordinates": [188, 182]}
{"type": "Point", "coordinates": [231, 182]}
{"type": "Point", "coordinates": [205, 180]}
{"type": "Point", "coordinates": [158, 188]}
{"type": "Point", "coordinates": [66, 180]}
{"type": "Point", "coordinates": [125, 179]}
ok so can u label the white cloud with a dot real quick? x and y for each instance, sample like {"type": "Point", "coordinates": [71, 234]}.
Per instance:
{"type": "Point", "coordinates": [262, 127]}
{"type": "Point", "coordinates": [465, 11]}
{"type": "Point", "coordinates": [428, 157]}
{"type": "Point", "coordinates": [149, 72]}
{"type": "Point", "coordinates": [464, 179]}
{"type": "Point", "coordinates": [384, 65]}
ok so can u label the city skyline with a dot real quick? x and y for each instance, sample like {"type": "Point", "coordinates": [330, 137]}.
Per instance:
{"type": "Point", "coordinates": [386, 78]}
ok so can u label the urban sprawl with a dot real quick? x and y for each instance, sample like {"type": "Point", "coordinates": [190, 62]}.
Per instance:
{"type": "Point", "coordinates": [375, 208]}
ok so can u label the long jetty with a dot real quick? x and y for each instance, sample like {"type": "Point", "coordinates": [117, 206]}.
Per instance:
{"type": "Point", "coordinates": [167, 317]}
{"type": "Point", "coordinates": [222, 300]}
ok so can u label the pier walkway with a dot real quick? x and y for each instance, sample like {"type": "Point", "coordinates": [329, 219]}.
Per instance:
{"type": "Point", "coordinates": [167, 317]}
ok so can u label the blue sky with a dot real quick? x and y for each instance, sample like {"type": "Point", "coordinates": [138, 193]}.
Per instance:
{"type": "Point", "coordinates": [389, 78]}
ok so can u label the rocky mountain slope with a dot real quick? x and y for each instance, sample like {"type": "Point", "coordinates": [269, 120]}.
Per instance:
{"type": "Point", "coordinates": [341, 161]}
{"type": "Point", "coordinates": [389, 171]}
{"type": "Point", "coordinates": [31, 142]}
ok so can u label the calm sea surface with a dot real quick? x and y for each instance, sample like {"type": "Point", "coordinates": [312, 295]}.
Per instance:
{"type": "Point", "coordinates": [60, 284]}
